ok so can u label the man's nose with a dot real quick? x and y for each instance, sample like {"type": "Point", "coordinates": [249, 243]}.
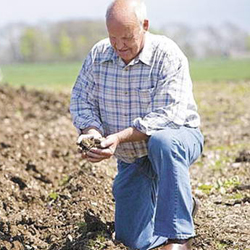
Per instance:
{"type": "Point", "coordinates": [119, 44]}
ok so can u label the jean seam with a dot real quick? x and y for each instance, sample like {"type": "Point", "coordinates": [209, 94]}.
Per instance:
{"type": "Point", "coordinates": [175, 172]}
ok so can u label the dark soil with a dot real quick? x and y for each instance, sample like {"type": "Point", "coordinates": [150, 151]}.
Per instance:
{"type": "Point", "coordinates": [52, 199]}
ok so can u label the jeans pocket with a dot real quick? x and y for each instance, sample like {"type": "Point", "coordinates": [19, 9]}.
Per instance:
{"type": "Point", "coordinates": [146, 169]}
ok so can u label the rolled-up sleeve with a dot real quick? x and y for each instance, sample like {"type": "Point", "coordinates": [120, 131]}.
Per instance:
{"type": "Point", "coordinates": [84, 106]}
{"type": "Point", "coordinates": [170, 98]}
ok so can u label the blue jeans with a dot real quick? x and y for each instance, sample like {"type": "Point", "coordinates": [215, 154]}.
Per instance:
{"type": "Point", "coordinates": [153, 194]}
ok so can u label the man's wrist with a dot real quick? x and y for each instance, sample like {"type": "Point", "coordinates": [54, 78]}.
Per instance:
{"type": "Point", "coordinates": [119, 138]}
{"type": "Point", "coordinates": [131, 134]}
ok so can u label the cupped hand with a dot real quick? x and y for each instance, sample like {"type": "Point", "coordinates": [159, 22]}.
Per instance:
{"type": "Point", "coordinates": [107, 150]}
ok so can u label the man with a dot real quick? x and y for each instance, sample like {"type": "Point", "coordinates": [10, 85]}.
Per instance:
{"type": "Point", "coordinates": [135, 90]}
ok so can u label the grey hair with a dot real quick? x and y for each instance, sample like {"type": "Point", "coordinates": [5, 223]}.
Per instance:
{"type": "Point", "coordinates": [139, 9]}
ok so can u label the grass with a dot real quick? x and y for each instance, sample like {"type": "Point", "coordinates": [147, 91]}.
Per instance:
{"type": "Point", "coordinates": [206, 188]}
{"type": "Point", "coordinates": [221, 246]}
{"type": "Point", "coordinates": [53, 196]}
{"type": "Point", "coordinates": [222, 186]}
{"type": "Point", "coordinates": [42, 76]}
{"type": "Point", "coordinates": [63, 75]}
{"type": "Point", "coordinates": [237, 196]}
{"type": "Point", "coordinates": [214, 70]}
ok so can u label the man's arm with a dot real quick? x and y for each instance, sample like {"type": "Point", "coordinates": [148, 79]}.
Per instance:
{"type": "Point", "coordinates": [84, 107]}
{"type": "Point", "coordinates": [172, 103]}
{"type": "Point", "coordinates": [130, 134]}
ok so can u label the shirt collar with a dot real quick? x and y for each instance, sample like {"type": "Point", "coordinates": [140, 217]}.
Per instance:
{"type": "Point", "coordinates": [147, 52]}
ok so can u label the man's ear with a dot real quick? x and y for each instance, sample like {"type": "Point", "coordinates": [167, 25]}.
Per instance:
{"type": "Point", "coordinates": [145, 24]}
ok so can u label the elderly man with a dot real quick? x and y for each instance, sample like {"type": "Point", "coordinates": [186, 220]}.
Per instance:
{"type": "Point", "coordinates": [135, 90]}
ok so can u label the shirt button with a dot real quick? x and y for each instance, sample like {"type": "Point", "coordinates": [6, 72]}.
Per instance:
{"type": "Point", "coordinates": [125, 92]}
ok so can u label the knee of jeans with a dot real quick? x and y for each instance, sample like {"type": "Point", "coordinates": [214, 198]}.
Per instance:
{"type": "Point", "coordinates": [160, 141]}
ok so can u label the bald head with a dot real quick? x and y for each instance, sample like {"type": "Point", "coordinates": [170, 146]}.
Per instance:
{"type": "Point", "coordinates": [120, 10]}
{"type": "Point", "coordinates": [127, 25]}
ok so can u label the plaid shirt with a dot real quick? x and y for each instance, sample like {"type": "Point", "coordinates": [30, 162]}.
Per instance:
{"type": "Point", "coordinates": [152, 92]}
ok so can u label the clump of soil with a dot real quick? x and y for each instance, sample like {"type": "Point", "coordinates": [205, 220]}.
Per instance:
{"type": "Point", "coordinates": [52, 199]}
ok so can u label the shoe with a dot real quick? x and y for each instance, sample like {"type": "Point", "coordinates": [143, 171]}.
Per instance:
{"type": "Point", "coordinates": [196, 206]}
{"type": "Point", "coordinates": [178, 245]}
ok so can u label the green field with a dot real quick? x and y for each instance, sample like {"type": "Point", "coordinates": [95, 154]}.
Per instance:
{"type": "Point", "coordinates": [220, 70]}
{"type": "Point", "coordinates": [41, 76]}
{"type": "Point", "coordinates": [63, 75]}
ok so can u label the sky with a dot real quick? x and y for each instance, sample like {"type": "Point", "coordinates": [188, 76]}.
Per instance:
{"type": "Point", "coordinates": [193, 13]}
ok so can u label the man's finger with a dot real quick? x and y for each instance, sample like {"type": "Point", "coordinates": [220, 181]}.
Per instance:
{"type": "Point", "coordinates": [98, 155]}
{"type": "Point", "coordinates": [107, 152]}
{"type": "Point", "coordinates": [94, 160]}
{"type": "Point", "coordinates": [107, 142]}
{"type": "Point", "coordinates": [84, 155]}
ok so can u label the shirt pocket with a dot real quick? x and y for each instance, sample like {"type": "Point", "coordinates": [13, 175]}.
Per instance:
{"type": "Point", "coordinates": [145, 98]}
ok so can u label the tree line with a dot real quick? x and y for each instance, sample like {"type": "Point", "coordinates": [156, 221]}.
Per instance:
{"type": "Point", "coordinates": [62, 41]}
{"type": "Point", "coordinates": [71, 40]}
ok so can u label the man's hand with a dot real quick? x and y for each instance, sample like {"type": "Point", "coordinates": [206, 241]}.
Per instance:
{"type": "Point", "coordinates": [91, 131]}
{"type": "Point", "coordinates": [107, 150]}
{"type": "Point", "coordinates": [109, 145]}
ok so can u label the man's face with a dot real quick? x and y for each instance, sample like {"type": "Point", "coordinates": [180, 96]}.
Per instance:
{"type": "Point", "coordinates": [127, 38]}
